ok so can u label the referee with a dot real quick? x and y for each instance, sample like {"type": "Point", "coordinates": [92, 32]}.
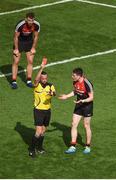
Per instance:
{"type": "Point", "coordinates": [83, 89]}
{"type": "Point", "coordinates": [25, 40]}
{"type": "Point", "coordinates": [43, 93]}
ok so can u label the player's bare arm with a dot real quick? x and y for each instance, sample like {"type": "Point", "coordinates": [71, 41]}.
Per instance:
{"type": "Point", "coordinates": [16, 51]}
{"type": "Point", "coordinates": [33, 49]}
{"type": "Point", "coordinates": [66, 96]}
{"type": "Point", "coordinates": [89, 99]}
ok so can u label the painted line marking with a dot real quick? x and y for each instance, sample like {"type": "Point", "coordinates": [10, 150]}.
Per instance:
{"type": "Point", "coordinates": [96, 3]}
{"type": "Point", "coordinates": [35, 7]}
{"type": "Point", "coordinates": [55, 3]}
{"type": "Point", "coordinates": [66, 61]}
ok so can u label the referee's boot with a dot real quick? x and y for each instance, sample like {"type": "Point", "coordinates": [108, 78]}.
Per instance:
{"type": "Point", "coordinates": [41, 150]}
{"type": "Point", "coordinates": [14, 85]}
{"type": "Point", "coordinates": [32, 153]}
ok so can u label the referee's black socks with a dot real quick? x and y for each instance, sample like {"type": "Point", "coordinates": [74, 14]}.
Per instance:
{"type": "Point", "coordinates": [37, 141]}
{"type": "Point", "coordinates": [40, 142]}
{"type": "Point", "coordinates": [34, 142]}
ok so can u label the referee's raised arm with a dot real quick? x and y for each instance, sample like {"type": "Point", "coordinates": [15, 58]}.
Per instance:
{"type": "Point", "coordinates": [37, 78]}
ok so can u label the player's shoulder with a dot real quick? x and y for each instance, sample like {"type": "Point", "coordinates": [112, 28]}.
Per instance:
{"type": "Point", "coordinates": [36, 26]}
{"type": "Point", "coordinates": [22, 21]}
{"type": "Point", "coordinates": [19, 24]}
{"type": "Point", "coordinates": [36, 23]}
{"type": "Point", "coordinates": [88, 83]}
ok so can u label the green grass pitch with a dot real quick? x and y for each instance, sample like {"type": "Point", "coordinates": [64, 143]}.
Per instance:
{"type": "Point", "coordinates": [68, 30]}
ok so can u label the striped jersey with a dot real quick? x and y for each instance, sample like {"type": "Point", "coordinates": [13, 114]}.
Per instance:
{"type": "Point", "coordinates": [26, 31]}
{"type": "Point", "coordinates": [82, 89]}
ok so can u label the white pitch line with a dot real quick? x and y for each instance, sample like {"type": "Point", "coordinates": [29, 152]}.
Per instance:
{"type": "Point", "coordinates": [66, 61]}
{"type": "Point", "coordinates": [55, 3]}
{"type": "Point", "coordinates": [35, 7]}
{"type": "Point", "coordinates": [96, 3]}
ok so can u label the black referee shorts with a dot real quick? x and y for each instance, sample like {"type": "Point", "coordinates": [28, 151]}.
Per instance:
{"type": "Point", "coordinates": [85, 110]}
{"type": "Point", "coordinates": [24, 46]}
{"type": "Point", "coordinates": [42, 117]}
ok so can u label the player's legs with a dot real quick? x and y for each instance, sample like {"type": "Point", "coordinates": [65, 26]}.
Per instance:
{"type": "Point", "coordinates": [88, 133]}
{"type": "Point", "coordinates": [30, 58]}
{"type": "Point", "coordinates": [75, 122]}
{"type": "Point", "coordinates": [87, 129]}
{"type": "Point", "coordinates": [16, 60]}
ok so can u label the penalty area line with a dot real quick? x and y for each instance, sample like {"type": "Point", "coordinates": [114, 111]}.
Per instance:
{"type": "Point", "coordinates": [65, 61]}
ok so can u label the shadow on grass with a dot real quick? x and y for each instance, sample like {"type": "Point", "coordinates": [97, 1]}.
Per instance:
{"type": "Point", "coordinates": [66, 131]}
{"type": "Point", "coordinates": [25, 132]}
{"type": "Point", "coordinates": [6, 69]}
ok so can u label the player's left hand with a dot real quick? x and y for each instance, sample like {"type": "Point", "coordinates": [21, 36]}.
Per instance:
{"type": "Point", "coordinates": [78, 102]}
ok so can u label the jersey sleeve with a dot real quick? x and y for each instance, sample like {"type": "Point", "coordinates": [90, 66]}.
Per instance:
{"type": "Point", "coordinates": [37, 26]}
{"type": "Point", "coordinates": [19, 26]}
{"type": "Point", "coordinates": [88, 86]}
{"type": "Point", "coordinates": [53, 90]}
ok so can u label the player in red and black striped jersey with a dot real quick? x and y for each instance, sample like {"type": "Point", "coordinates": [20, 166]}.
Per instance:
{"type": "Point", "coordinates": [25, 40]}
{"type": "Point", "coordinates": [83, 89]}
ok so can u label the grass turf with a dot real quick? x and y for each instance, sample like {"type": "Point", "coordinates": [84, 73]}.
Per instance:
{"type": "Point", "coordinates": [68, 30]}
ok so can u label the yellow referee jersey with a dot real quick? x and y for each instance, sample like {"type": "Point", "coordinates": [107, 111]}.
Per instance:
{"type": "Point", "coordinates": [41, 95]}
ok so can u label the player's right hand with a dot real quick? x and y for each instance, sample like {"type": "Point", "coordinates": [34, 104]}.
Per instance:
{"type": "Point", "coordinates": [16, 52]}
{"type": "Point", "coordinates": [62, 97]}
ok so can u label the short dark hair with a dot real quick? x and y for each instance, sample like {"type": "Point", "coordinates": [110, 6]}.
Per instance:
{"type": "Point", "coordinates": [44, 73]}
{"type": "Point", "coordinates": [30, 15]}
{"type": "Point", "coordinates": [78, 71]}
